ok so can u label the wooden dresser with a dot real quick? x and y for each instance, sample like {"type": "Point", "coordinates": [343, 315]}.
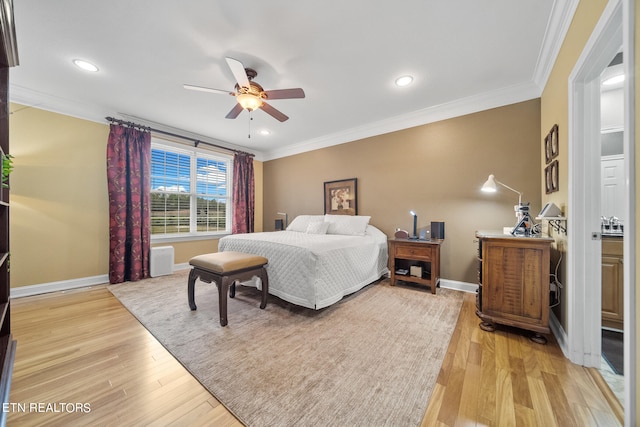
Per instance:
{"type": "Point", "coordinates": [513, 279]}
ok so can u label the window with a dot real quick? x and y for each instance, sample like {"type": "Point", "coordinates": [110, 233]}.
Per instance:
{"type": "Point", "coordinates": [190, 191]}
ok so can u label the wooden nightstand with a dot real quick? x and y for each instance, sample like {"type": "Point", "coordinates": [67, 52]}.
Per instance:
{"type": "Point", "coordinates": [422, 254]}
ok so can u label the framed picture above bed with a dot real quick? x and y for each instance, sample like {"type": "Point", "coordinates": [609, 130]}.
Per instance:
{"type": "Point", "coordinates": [341, 197]}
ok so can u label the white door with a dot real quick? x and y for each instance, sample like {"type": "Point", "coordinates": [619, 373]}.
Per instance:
{"type": "Point", "coordinates": [612, 175]}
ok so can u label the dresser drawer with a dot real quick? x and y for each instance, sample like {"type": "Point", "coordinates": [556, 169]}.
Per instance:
{"type": "Point", "coordinates": [418, 252]}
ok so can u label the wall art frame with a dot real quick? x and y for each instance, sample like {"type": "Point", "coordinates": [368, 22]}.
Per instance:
{"type": "Point", "coordinates": [551, 177]}
{"type": "Point", "coordinates": [551, 145]}
{"type": "Point", "coordinates": [341, 197]}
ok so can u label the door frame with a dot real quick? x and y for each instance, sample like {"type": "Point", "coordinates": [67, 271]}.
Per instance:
{"type": "Point", "coordinates": [614, 29]}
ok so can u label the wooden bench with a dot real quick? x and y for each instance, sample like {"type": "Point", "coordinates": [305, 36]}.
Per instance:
{"type": "Point", "coordinates": [225, 269]}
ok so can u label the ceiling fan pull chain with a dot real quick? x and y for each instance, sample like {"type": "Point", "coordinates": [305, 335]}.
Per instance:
{"type": "Point", "coordinates": [250, 118]}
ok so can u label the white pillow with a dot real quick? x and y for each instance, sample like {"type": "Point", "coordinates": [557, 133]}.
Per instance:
{"type": "Point", "coordinates": [317, 227]}
{"type": "Point", "coordinates": [347, 224]}
{"type": "Point", "coordinates": [301, 222]}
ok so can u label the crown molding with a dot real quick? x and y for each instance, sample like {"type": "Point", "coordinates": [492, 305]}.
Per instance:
{"type": "Point", "coordinates": [560, 19]}
{"type": "Point", "coordinates": [55, 104]}
{"type": "Point", "coordinates": [498, 98]}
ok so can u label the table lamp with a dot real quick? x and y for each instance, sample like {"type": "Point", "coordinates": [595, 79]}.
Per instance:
{"type": "Point", "coordinates": [522, 212]}
{"type": "Point", "coordinates": [415, 225]}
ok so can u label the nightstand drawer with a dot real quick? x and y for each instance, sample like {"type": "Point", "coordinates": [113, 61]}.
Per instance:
{"type": "Point", "coordinates": [420, 252]}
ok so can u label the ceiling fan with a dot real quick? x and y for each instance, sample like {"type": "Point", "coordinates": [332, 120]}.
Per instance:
{"type": "Point", "coordinates": [249, 94]}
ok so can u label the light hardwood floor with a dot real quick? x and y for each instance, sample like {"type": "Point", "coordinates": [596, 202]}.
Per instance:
{"type": "Point", "coordinates": [84, 347]}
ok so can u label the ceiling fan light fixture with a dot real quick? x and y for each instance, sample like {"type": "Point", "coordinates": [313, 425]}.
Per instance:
{"type": "Point", "coordinates": [249, 102]}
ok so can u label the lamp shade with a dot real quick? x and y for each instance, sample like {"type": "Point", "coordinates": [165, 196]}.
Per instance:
{"type": "Point", "coordinates": [490, 185]}
{"type": "Point", "coordinates": [249, 101]}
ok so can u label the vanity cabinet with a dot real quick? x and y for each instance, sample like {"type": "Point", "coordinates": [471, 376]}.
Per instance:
{"type": "Point", "coordinates": [612, 283]}
{"type": "Point", "coordinates": [513, 282]}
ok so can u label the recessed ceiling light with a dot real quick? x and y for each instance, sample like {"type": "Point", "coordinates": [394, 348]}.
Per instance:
{"type": "Point", "coordinates": [265, 132]}
{"type": "Point", "coordinates": [87, 66]}
{"type": "Point", "coordinates": [613, 80]}
{"type": "Point", "coordinates": [404, 81]}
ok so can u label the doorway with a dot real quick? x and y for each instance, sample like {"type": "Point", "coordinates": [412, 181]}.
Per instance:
{"type": "Point", "coordinates": [585, 252]}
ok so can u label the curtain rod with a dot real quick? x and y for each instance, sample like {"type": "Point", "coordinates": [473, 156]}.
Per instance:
{"type": "Point", "coordinates": [195, 141]}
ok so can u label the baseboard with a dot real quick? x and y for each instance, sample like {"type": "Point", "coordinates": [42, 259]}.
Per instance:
{"type": "Point", "coordinates": [559, 333]}
{"type": "Point", "coordinates": [458, 286]}
{"type": "Point", "coordinates": [577, 357]}
{"type": "Point", "coordinates": [63, 285]}
{"type": "Point", "coordinates": [182, 266]}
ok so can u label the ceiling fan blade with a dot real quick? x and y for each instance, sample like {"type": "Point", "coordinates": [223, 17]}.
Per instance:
{"type": "Point", "coordinates": [284, 93]}
{"type": "Point", "coordinates": [207, 89]}
{"type": "Point", "coordinates": [276, 114]}
{"type": "Point", "coordinates": [235, 111]}
{"type": "Point", "coordinates": [238, 72]}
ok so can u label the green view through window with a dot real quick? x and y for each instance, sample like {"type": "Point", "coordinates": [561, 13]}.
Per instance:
{"type": "Point", "coordinates": [190, 191]}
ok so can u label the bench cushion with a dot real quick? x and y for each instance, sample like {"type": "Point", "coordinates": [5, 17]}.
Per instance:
{"type": "Point", "coordinates": [225, 262]}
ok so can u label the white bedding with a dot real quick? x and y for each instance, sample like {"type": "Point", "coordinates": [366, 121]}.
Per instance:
{"type": "Point", "coordinates": [315, 270]}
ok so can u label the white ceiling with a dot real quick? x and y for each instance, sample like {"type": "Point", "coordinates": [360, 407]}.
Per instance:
{"type": "Point", "coordinates": [465, 56]}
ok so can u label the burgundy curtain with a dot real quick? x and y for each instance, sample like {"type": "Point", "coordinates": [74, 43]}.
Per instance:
{"type": "Point", "coordinates": [129, 182]}
{"type": "Point", "coordinates": [243, 194]}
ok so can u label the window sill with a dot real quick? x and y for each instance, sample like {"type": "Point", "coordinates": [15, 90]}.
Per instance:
{"type": "Point", "coordinates": [187, 238]}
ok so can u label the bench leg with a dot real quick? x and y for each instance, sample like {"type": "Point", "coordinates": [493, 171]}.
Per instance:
{"type": "Point", "coordinates": [223, 290]}
{"type": "Point", "coordinates": [265, 287]}
{"type": "Point", "coordinates": [191, 288]}
{"type": "Point", "coordinates": [226, 286]}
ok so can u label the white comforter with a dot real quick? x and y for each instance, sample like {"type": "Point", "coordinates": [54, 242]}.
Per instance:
{"type": "Point", "coordinates": [313, 270]}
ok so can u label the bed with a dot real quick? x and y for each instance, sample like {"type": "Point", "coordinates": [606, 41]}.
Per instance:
{"type": "Point", "coordinates": [318, 259]}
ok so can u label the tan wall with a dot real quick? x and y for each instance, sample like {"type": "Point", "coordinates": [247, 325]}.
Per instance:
{"type": "Point", "coordinates": [555, 110]}
{"type": "Point", "coordinates": [59, 203]}
{"type": "Point", "coordinates": [59, 209]}
{"type": "Point", "coordinates": [436, 170]}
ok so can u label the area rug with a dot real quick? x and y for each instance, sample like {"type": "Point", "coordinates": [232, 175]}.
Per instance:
{"type": "Point", "coordinates": [371, 359]}
{"type": "Point", "coordinates": [613, 350]}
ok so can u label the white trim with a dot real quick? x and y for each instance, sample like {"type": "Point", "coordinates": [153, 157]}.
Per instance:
{"type": "Point", "coordinates": [584, 253]}
{"type": "Point", "coordinates": [559, 332]}
{"type": "Point", "coordinates": [63, 285]}
{"type": "Point", "coordinates": [630, 317]}
{"type": "Point", "coordinates": [559, 22]}
{"type": "Point", "coordinates": [181, 266]}
{"type": "Point", "coordinates": [170, 238]}
{"type": "Point", "coordinates": [615, 28]}
{"type": "Point", "coordinates": [458, 286]}
{"type": "Point", "coordinates": [473, 104]}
